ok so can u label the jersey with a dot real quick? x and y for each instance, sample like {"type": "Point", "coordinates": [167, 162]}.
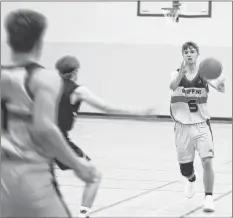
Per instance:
{"type": "Point", "coordinates": [66, 109]}
{"type": "Point", "coordinates": [17, 113]}
{"type": "Point", "coordinates": [189, 101]}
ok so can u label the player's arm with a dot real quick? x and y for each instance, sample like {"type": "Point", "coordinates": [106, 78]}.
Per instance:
{"type": "Point", "coordinates": [4, 84]}
{"type": "Point", "coordinates": [84, 94]}
{"type": "Point", "coordinates": [176, 76]}
{"type": "Point", "coordinates": [218, 84]}
{"type": "Point", "coordinates": [175, 79]}
{"type": "Point", "coordinates": [46, 88]}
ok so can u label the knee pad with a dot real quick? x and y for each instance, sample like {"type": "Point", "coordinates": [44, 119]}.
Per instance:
{"type": "Point", "coordinates": [187, 169]}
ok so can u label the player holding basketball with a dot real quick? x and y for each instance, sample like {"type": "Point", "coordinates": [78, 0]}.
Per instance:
{"type": "Point", "coordinates": [30, 137]}
{"type": "Point", "coordinates": [192, 126]}
{"type": "Point", "coordinates": [73, 96]}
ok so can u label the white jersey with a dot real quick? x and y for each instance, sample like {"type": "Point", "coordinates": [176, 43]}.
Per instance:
{"type": "Point", "coordinates": [189, 101]}
{"type": "Point", "coordinates": [17, 107]}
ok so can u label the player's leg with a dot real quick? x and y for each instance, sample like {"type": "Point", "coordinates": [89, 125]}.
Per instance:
{"type": "Point", "coordinates": [186, 155]}
{"type": "Point", "coordinates": [205, 148]}
{"type": "Point", "coordinates": [208, 179]}
{"type": "Point", "coordinates": [91, 189]}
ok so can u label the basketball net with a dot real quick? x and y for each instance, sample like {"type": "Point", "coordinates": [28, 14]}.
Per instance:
{"type": "Point", "coordinates": [171, 15]}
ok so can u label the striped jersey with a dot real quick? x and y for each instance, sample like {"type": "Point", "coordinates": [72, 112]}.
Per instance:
{"type": "Point", "coordinates": [16, 113]}
{"type": "Point", "coordinates": [189, 101]}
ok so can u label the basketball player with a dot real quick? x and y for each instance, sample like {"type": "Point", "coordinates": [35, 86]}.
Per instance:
{"type": "Point", "coordinates": [192, 126]}
{"type": "Point", "coordinates": [73, 96]}
{"type": "Point", "coordinates": [30, 137]}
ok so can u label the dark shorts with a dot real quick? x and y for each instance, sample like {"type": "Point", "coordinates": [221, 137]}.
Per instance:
{"type": "Point", "coordinates": [76, 149]}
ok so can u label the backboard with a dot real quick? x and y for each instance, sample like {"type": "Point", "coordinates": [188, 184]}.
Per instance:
{"type": "Point", "coordinates": [201, 9]}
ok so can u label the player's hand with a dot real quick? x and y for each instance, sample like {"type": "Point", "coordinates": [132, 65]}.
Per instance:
{"type": "Point", "coordinates": [218, 84]}
{"type": "Point", "coordinates": [221, 86]}
{"type": "Point", "coordinates": [88, 172]}
{"type": "Point", "coordinates": [183, 69]}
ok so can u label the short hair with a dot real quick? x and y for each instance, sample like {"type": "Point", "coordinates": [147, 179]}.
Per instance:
{"type": "Point", "coordinates": [188, 44]}
{"type": "Point", "coordinates": [67, 64]}
{"type": "Point", "coordinates": [24, 29]}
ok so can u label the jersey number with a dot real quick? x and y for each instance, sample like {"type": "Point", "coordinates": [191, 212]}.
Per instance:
{"type": "Point", "coordinates": [193, 106]}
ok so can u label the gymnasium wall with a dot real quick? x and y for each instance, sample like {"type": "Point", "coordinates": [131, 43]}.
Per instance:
{"type": "Point", "coordinates": [126, 59]}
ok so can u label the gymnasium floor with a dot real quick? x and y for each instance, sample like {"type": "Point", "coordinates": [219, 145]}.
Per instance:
{"type": "Point", "coordinates": [140, 172]}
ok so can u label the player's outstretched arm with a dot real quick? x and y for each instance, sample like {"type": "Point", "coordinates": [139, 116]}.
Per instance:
{"type": "Point", "coordinates": [84, 94]}
{"type": "Point", "coordinates": [46, 87]}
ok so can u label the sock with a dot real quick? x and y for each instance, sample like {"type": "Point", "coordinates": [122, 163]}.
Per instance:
{"type": "Point", "coordinates": [193, 179]}
{"type": "Point", "coordinates": [84, 211]}
{"type": "Point", "coordinates": [208, 193]}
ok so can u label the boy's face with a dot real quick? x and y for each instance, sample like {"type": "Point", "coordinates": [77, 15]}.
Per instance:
{"type": "Point", "coordinates": [190, 55]}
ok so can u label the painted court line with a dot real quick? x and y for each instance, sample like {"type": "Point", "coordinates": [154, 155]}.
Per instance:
{"type": "Point", "coordinates": [198, 208]}
{"type": "Point", "coordinates": [171, 205]}
{"type": "Point", "coordinates": [140, 180]}
{"type": "Point", "coordinates": [132, 198]}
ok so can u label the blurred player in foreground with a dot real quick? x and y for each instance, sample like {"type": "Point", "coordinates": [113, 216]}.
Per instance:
{"type": "Point", "coordinates": [30, 137]}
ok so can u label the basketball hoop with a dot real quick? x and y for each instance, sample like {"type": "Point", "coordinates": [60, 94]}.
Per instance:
{"type": "Point", "coordinates": [171, 15]}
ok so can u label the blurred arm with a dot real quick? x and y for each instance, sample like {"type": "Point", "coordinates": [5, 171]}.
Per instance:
{"type": "Point", "coordinates": [84, 94]}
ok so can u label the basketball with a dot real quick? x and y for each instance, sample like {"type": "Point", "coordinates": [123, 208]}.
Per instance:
{"type": "Point", "coordinates": [210, 68]}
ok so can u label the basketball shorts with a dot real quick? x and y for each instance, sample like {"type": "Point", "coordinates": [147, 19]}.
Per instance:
{"type": "Point", "coordinates": [76, 149]}
{"type": "Point", "coordinates": [190, 138]}
{"type": "Point", "coordinates": [27, 190]}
